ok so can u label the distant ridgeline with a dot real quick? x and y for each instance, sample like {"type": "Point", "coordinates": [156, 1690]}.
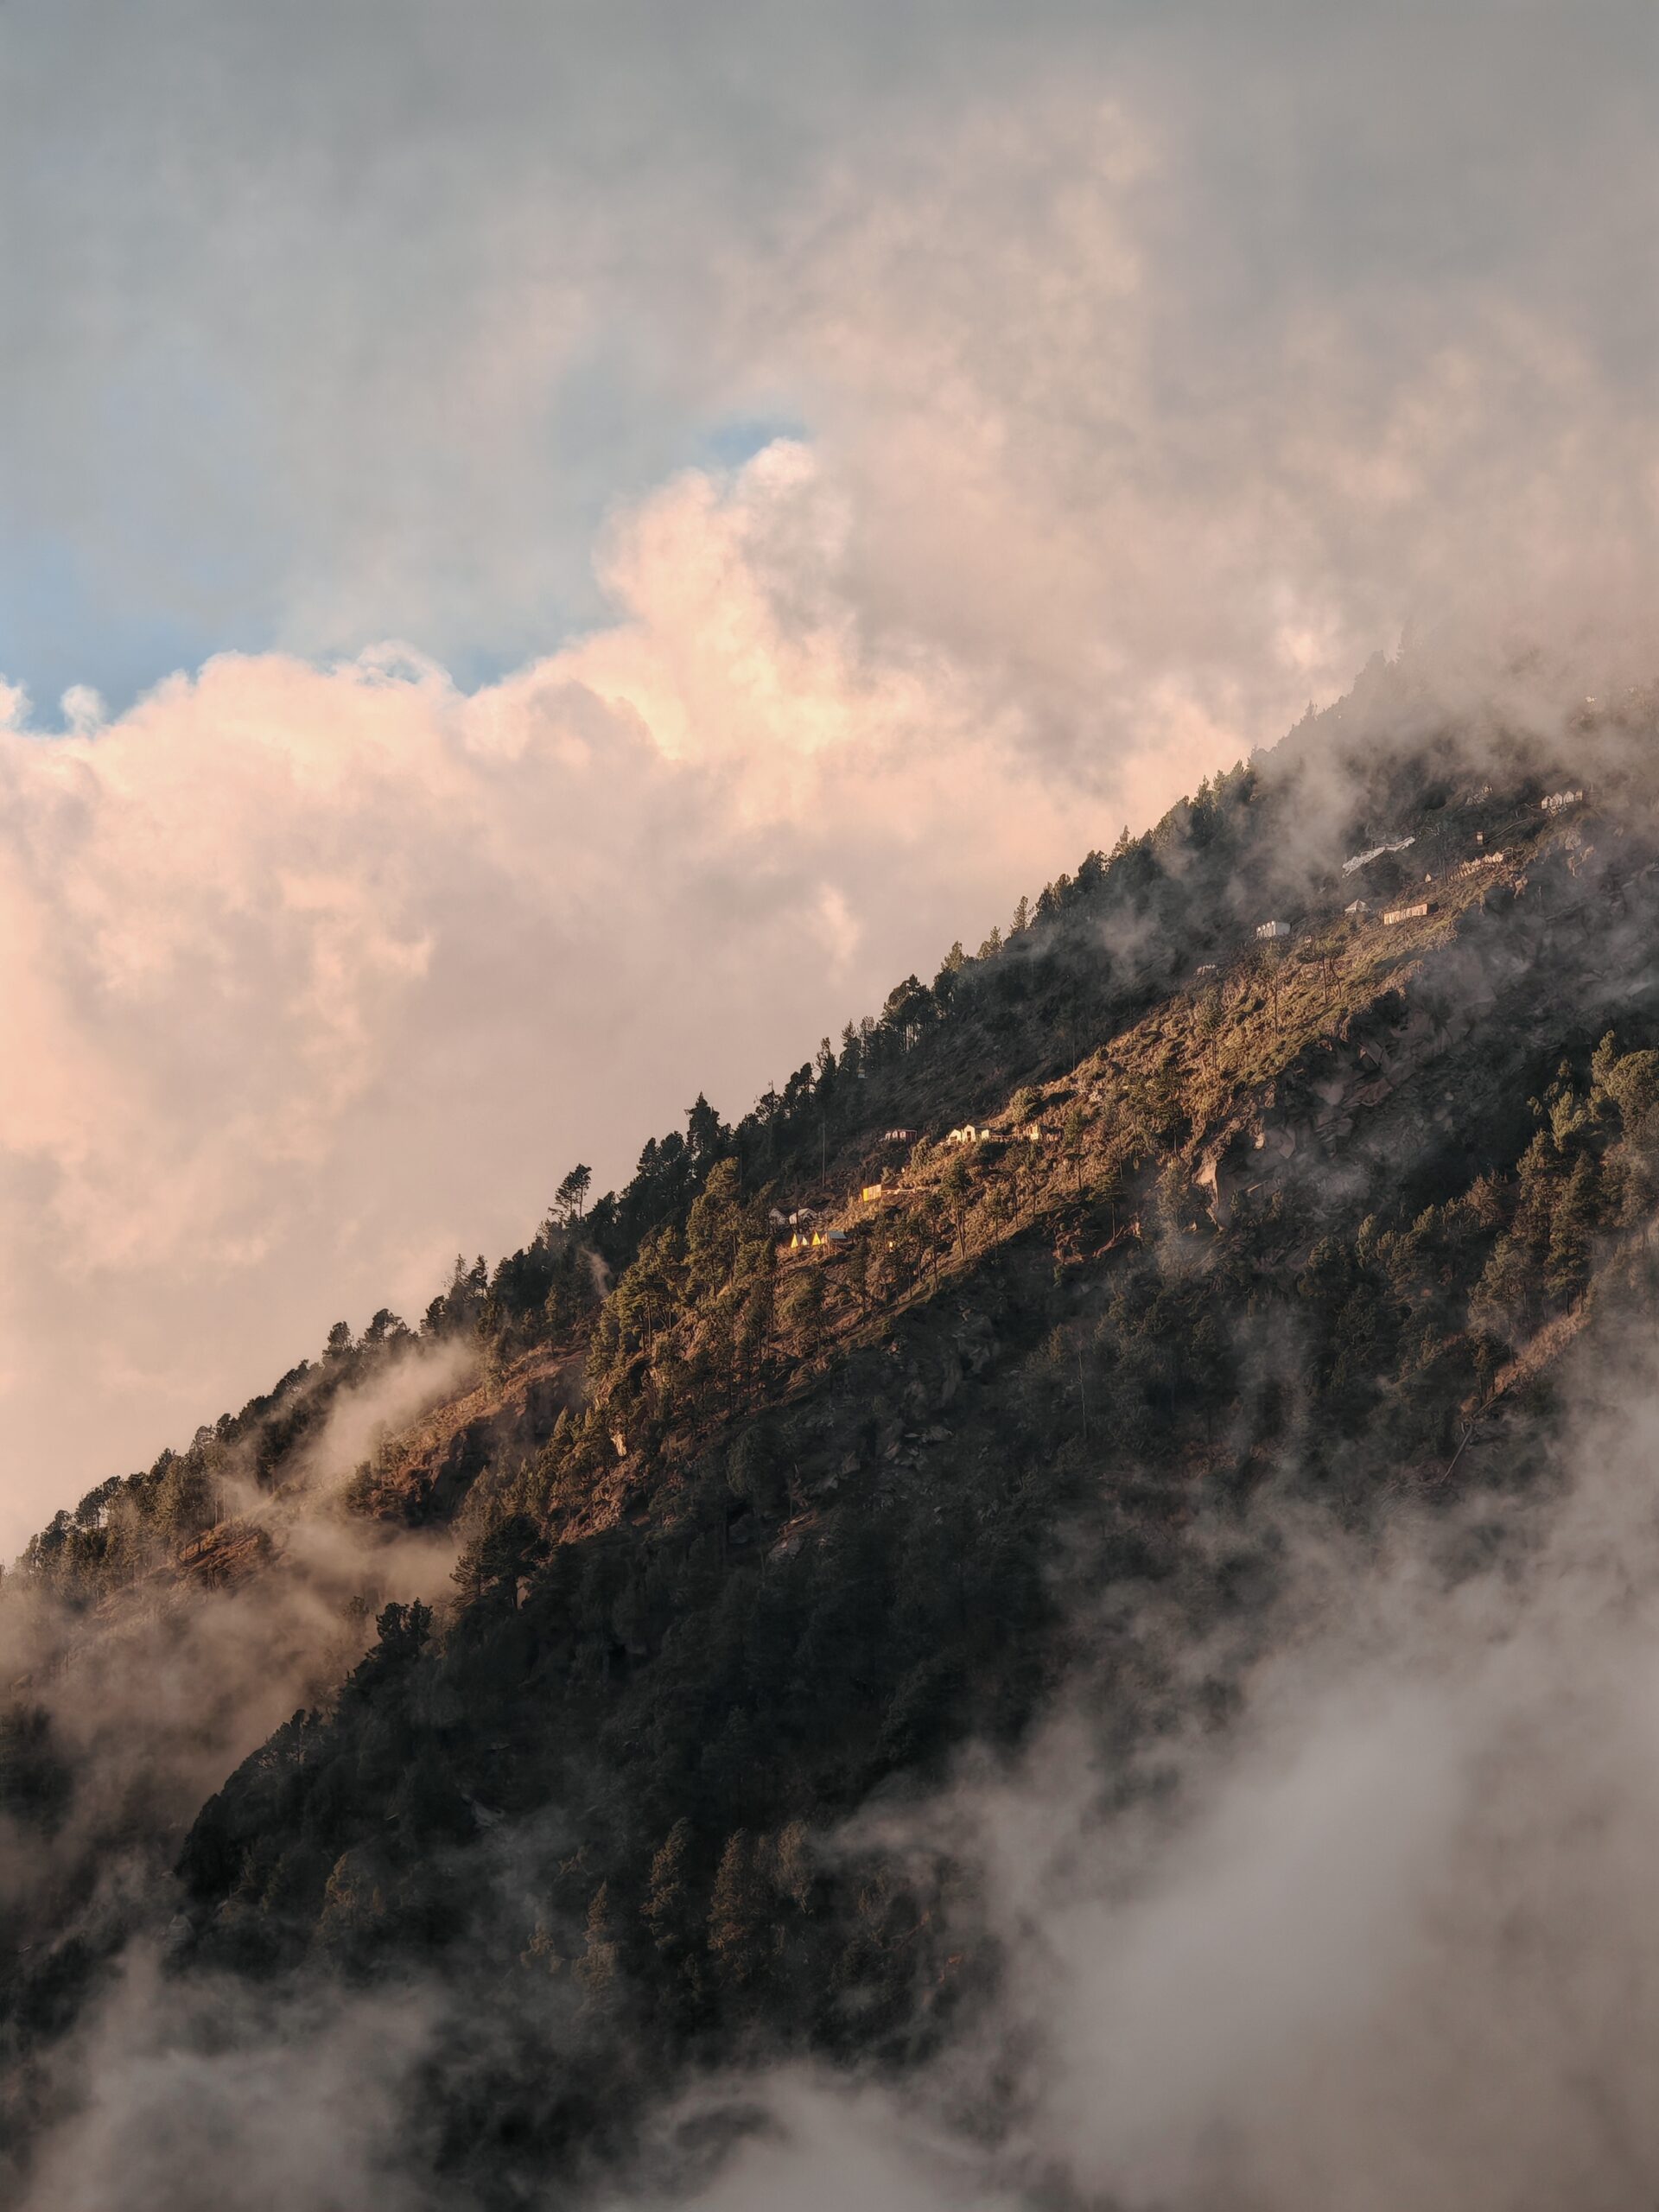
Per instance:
{"type": "Point", "coordinates": [779, 1475]}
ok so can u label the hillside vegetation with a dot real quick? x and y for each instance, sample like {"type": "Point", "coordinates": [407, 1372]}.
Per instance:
{"type": "Point", "coordinates": [854, 1433]}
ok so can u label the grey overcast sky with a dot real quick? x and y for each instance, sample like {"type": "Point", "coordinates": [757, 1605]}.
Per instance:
{"type": "Point", "coordinates": [548, 553]}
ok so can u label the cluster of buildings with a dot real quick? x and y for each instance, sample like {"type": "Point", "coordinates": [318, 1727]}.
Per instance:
{"type": "Point", "coordinates": [1271, 932]}
{"type": "Point", "coordinates": [806, 1237]}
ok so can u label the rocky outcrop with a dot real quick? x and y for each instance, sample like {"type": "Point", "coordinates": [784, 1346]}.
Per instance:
{"type": "Point", "coordinates": [434, 1466]}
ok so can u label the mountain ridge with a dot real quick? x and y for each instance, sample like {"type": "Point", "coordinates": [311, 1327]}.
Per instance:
{"type": "Point", "coordinates": [752, 1538]}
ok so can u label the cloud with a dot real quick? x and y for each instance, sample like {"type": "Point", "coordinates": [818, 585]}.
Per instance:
{"type": "Point", "coordinates": [813, 2143]}
{"type": "Point", "coordinates": [1146, 344]}
{"type": "Point", "coordinates": [1385, 1938]}
{"type": "Point", "coordinates": [194, 2102]}
{"type": "Point", "coordinates": [317, 973]}
{"type": "Point", "coordinates": [1154, 372]}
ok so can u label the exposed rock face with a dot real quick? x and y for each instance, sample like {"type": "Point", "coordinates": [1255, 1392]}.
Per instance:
{"type": "Point", "coordinates": [225, 1556]}
{"type": "Point", "coordinates": [448, 1453]}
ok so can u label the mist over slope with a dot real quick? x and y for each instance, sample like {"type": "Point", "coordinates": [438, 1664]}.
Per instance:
{"type": "Point", "coordinates": [1062, 1614]}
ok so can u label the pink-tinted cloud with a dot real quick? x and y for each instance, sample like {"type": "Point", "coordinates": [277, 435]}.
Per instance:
{"type": "Point", "coordinates": [313, 974]}
{"type": "Point", "coordinates": [1156, 372]}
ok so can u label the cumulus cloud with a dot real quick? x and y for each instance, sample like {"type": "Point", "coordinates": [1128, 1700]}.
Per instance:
{"type": "Point", "coordinates": [1154, 372]}
{"type": "Point", "coordinates": [1185, 350]}
{"type": "Point", "coordinates": [317, 973]}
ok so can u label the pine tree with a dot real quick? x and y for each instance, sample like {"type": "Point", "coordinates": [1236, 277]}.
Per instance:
{"type": "Point", "coordinates": [596, 1969]}
{"type": "Point", "coordinates": [571, 1195]}
{"type": "Point", "coordinates": [739, 1915]}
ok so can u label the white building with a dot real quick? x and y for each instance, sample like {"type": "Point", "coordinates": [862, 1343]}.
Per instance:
{"type": "Point", "coordinates": [1272, 932]}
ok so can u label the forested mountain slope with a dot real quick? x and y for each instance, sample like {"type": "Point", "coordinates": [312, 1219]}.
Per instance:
{"type": "Point", "coordinates": [851, 1437]}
